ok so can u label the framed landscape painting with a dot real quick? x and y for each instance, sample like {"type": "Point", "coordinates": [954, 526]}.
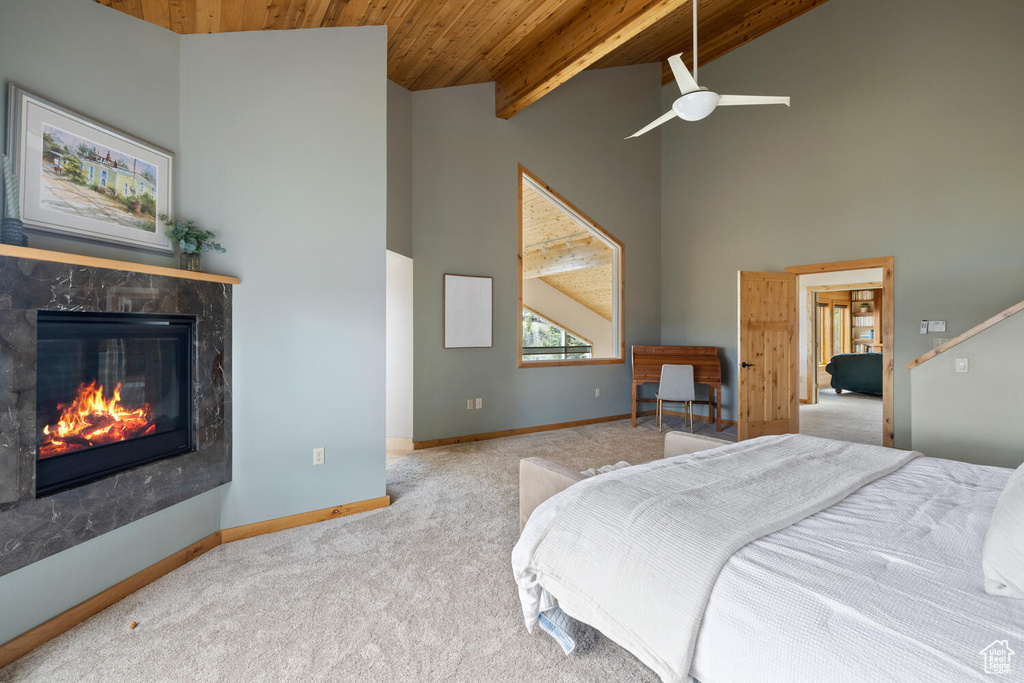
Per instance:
{"type": "Point", "coordinates": [82, 178]}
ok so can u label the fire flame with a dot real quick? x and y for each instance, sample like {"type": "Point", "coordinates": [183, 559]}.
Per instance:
{"type": "Point", "coordinates": [91, 420]}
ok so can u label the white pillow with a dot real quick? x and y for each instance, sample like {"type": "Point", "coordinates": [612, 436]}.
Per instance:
{"type": "Point", "coordinates": [1002, 556]}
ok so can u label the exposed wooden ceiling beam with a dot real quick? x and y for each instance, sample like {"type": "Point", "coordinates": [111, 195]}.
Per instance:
{"type": "Point", "coordinates": [565, 259]}
{"type": "Point", "coordinates": [566, 50]}
{"type": "Point", "coordinates": [724, 26]}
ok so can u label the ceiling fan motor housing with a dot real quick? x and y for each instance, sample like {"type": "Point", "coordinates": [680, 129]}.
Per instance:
{"type": "Point", "coordinates": [694, 106]}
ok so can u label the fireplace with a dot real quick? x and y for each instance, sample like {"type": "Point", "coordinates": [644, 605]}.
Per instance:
{"type": "Point", "coordinates": [113, 391]}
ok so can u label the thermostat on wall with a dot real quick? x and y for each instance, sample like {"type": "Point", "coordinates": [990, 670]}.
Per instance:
{"type": "Point", "coordinates": [936, 325]}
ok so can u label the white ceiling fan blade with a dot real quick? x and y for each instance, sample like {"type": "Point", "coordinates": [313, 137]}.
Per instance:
{"type": "Point", "coordinates": [682, 74]}
{"type": "Point", "coordinates": [737, 100]}
{"type": "Point", "coordinates": [654, 124]}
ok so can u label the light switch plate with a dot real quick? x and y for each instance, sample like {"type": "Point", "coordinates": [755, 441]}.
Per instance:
{"type": "Point", "coordinates": [924, 327]}
{"type": "Point", "coordinates": [936, 325]}
{"type": "Point", "coordinates": [962, 365]}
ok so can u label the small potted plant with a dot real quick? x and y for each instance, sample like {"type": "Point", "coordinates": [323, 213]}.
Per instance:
{"type": "Point", "coordinates": [192, 241]}
{"type": "Point", "coordinates": [11, 227]}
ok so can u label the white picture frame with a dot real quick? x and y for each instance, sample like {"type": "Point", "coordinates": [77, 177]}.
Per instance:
{"type": "Point", "coordinates": [468, 311]}
{"type": "Point", "coordinates": [82, 178]}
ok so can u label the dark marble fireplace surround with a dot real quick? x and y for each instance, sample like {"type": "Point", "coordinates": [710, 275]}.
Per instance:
{"type": "Point", "coordinates": [34, 528]}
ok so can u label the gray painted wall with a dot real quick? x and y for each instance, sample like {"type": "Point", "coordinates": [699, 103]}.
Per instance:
{"type": "Point", "coordinates": [465, 221]}
{"type": "Point", "coordinates": [904, 139]}
{"type": "Point", "coordinates": [288, 166]}
{"type": "Point", "coordinates": [973, 416]}
{"type": "Point", "coordinates": [399, 170]}
{"type": "Point", "coordinates": [41, 50]}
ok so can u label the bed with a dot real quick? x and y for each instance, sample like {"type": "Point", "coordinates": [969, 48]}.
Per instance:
{"type": "Point", "coordinates": [883, 584]}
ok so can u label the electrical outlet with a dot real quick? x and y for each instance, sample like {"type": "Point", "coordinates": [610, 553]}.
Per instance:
{"type": "Point", "coordinates": [479, 404]}
{"type": "Point", "coordinates": [924, 327]}
{"type": "Point", "coordinates": [469, 404]}
{"type": "Point", "coordinates": [597, 392]}
{"type": "Point", "coordinates": [939, 341]}
{"type": "Point", "coordinates": [318, 456]}
{"type": "Point", "coordinates": [962, 365]}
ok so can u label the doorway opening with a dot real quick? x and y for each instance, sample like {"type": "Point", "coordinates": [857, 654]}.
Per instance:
{"type": "Point", "coordinates": [399, 354]}
{"type": "Point", "coordinates": [846, 350]}
{"type": "Point", "coordinates": [772, 359]}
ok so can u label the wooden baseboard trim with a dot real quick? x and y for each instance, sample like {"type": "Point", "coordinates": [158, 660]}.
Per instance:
{"type": "Point", "coordinates": [470, 438]}
{"type": "Point", "coordinates": [48, 630]}
{"type": "Point", "coordinates": [237, 533]}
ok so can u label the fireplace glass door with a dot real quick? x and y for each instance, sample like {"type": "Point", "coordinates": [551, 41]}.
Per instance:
{"type": "Point", "coordinates": [113, 391]}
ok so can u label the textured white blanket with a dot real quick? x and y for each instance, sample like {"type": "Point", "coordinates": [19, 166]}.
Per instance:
{"type": "Point", "coordinates": [635, 553]}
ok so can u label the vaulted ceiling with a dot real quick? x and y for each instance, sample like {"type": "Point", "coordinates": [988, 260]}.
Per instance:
{"type": "Point", "coordinates": [527, 47]}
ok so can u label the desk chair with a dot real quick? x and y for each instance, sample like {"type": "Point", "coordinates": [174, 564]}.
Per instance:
{"type": "Point", "coordinates": [676, 386]}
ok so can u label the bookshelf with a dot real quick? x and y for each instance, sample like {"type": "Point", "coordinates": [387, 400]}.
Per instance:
{"type": "Point", "coordinates": [866, 320]}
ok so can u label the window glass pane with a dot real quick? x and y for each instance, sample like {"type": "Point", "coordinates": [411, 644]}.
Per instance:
{"type": "Point", "coordinates": [543, 340]}
{"type": "Point", "coordinates": [824, 335]}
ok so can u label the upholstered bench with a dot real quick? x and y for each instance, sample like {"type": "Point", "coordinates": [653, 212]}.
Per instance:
{"type": "Point", "coordinates": [539, 479]}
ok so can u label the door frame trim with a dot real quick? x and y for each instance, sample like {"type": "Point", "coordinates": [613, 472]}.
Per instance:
{"type": "Point", "coordinates": [888, 326]}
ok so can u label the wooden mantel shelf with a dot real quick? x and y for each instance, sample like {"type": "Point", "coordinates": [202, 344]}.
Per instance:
{"type": "Point", "coordinates": [76, 260]}
{"type": "Point", "coordinates": [1012, 310]}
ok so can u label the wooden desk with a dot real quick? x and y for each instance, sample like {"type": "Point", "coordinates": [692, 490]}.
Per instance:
{"type": "Point", "coordinates": [647, 362]}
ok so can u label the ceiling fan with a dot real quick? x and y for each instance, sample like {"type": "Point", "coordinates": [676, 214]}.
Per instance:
{"type": "Point", "coordinates": [695, 102]}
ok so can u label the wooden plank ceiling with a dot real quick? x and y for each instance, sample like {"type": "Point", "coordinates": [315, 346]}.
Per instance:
{"type": "Point", "coordinates": [565, 255]}
{"type": "Point", "coordinates": [527, 47]}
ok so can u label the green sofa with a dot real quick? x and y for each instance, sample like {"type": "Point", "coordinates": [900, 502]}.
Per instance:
{"type": "Point", "coordinates": [857, 372]}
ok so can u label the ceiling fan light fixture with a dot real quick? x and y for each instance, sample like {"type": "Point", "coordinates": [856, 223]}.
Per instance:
{"type": "Point", "coordinates": [694, 106]}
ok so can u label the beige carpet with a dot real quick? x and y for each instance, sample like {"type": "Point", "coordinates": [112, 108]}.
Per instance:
{"type": "Point", "coordinates": [419, 591]}
{"type": "Point", "coordinates": [846, 416]}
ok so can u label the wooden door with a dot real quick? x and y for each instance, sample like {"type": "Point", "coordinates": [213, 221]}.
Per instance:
{"type": "Point", "coordinates": [768, 355]}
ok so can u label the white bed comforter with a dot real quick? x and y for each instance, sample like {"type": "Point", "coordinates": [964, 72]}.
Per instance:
{"type": "Point", "coordinates": [636, 552]}
{"type": "Point", "coordinates": [885, 586]}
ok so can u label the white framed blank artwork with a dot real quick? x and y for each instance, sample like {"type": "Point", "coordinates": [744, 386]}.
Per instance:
{"type": "Point", "coordinates": [468, 309]}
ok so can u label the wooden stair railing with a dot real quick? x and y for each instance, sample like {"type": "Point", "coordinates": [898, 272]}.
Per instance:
{"type": "Point", "coordinates": [977, 329]}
